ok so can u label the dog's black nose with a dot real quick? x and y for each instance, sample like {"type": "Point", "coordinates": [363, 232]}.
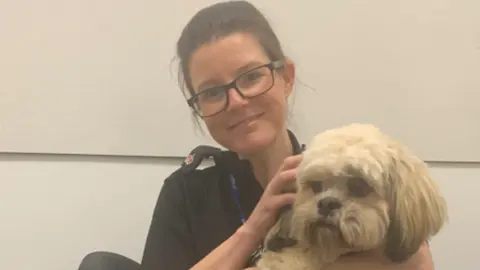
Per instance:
{"type": "Point", "coordinates": [327, 205]}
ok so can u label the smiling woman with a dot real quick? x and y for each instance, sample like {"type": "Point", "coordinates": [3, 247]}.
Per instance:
{"type": "Point", "coordinates": [238, 81]}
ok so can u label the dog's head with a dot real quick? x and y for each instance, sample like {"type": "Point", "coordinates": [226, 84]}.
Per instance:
{"type": "Point", "coordinates": [358, 189]}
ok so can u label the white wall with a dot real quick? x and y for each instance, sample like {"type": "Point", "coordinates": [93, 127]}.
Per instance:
{"type": "Point", "coordinates": [56, 209]}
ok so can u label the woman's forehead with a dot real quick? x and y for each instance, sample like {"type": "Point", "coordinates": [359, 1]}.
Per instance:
{"type": "Point", "coordinates": [224, 59]}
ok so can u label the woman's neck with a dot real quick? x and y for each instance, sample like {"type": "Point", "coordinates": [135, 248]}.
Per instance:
{"type": "Point", "coordinates": [266, 163]}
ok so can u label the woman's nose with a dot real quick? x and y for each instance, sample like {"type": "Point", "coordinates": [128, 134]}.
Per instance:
{"type": "Point", "coordinates": [235, 99]}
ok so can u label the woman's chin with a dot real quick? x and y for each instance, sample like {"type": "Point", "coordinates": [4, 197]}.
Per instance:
{"type": "Point", "coordinates": [251, 143]}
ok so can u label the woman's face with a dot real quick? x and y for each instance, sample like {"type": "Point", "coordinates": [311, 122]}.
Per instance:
{"type": "Point", "coordinates": [247, 126]}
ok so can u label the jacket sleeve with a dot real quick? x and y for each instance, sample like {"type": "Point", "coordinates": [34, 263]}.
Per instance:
{"type": "Point", "coordinates": [169, 243]}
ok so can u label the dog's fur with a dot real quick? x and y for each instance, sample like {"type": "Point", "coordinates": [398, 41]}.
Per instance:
{"type": "Point", "coordinates": [357, 189]}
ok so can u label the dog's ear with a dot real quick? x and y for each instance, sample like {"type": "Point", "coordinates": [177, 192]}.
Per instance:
{"type": "Point", "coordinates": [279, 236]}
{"type": "Point", "coordinates": [417, 209]}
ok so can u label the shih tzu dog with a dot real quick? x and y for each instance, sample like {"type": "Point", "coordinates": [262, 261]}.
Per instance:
{"type": "Point", "coordinates": [357, 190]}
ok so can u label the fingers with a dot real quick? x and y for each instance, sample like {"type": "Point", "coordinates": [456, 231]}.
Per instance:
{"type": "Point", "coordinates": [291, 162]}
{"type": "Point", "coordinates": [286, 175]}
{"type": "Point", "coordinates": [282, 179]}
{"type": "Point", "coordinates": [280, 201]}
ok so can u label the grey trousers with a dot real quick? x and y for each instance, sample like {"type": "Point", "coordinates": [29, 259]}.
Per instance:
{"type": "Point", "coordinates": [103, 260]}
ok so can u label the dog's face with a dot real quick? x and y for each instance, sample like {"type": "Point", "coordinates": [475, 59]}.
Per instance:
{"type": "Point", "coordinates": [358, 189]}
{"type": "Point", "coordinates": [343, 209]}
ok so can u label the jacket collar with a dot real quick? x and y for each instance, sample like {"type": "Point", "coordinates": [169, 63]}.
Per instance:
{"type": "Point", "coordinates": [296, 146]}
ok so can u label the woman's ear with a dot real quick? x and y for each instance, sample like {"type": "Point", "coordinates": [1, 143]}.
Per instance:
{"type": "Point", "coordinates": [288, 76]}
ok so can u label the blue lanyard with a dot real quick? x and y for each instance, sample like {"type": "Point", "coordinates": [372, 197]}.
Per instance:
{"type": "Point", "coordinates": [257, 253]}
{"type": "Point", "coordinates": [236, 198]}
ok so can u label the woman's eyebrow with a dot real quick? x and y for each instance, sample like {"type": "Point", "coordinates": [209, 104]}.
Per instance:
{"type": "Point", "coordinates": [244, 68]}
{"type": "Point", "coordinates": [206, 84]}
{"type": "Point", "coordinates": [248, 66]}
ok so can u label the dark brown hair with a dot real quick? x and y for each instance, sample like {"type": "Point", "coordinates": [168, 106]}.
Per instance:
{"type": "Point", "coordinates": [220, 20]}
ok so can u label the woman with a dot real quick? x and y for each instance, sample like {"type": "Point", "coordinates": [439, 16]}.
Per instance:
{"type": "Point", "coordinates": [238, 81]}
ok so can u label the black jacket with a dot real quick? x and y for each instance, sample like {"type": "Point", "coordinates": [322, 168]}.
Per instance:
{"type": "Point", "coordinates": [196, 210]}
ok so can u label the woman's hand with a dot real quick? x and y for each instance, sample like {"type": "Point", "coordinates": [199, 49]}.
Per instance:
{"type": "Point", "coordinates": [422, 260]}
{"type": "Point", "coordinates": [264, 215]}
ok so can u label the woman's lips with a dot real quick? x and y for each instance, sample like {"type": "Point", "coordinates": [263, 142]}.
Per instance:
{"type": "Point", "coordinates": [245, 120]}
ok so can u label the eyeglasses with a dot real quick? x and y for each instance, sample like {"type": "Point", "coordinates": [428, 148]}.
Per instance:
{"type": "Point", "coordinates": [249, 84]}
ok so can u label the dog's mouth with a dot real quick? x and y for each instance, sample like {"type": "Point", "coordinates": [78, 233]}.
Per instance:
{"type": "Point", "coordinates": [322, 223]}
{"type": "Point", "coordinates": [322, 226]}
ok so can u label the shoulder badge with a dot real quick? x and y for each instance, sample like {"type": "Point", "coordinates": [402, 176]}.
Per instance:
{"type": "Point", "coordinates": [188, 159]}
{"type": "Point", "coordinates": [197, 155]}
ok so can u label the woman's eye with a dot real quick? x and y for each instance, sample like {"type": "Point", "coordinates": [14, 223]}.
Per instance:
{"type": "Point", "coordinates": [253, 76]}
{"type": "Point", "coordinates": [316, 186]}
{"type": "Point", "coordinates": [213, 93]}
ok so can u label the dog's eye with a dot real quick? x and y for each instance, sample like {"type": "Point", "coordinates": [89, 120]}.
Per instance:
{"type": "Point", "coordinates": [316, 186]}
{"type": "Point", "coordinates": [358, 187]}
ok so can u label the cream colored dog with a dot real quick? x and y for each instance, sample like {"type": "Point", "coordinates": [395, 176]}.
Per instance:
{"type": "Point", "coordinates": [357, 189]}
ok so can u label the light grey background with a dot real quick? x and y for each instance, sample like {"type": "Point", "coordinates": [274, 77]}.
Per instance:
{"type": "Point", "coordinates": [95, 77]}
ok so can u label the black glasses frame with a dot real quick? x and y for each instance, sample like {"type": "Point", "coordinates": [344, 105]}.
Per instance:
{"type": "Point", "coordinates": [274, 65]}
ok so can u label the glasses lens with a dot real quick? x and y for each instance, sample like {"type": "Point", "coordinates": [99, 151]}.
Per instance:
{"type": "Point", "coordinates": [210, 101]}
{"type": "Point", "coordinates": [255, 82]}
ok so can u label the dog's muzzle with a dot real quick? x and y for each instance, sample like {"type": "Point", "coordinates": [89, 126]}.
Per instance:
{"type": "Point", "coordinates": [327, 206]}
{"type": "Point", "coordinates": [326, 209]}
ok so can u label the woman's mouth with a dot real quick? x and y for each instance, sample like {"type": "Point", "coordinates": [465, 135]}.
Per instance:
{"type": "Point", "coordinates": [245, 121]}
